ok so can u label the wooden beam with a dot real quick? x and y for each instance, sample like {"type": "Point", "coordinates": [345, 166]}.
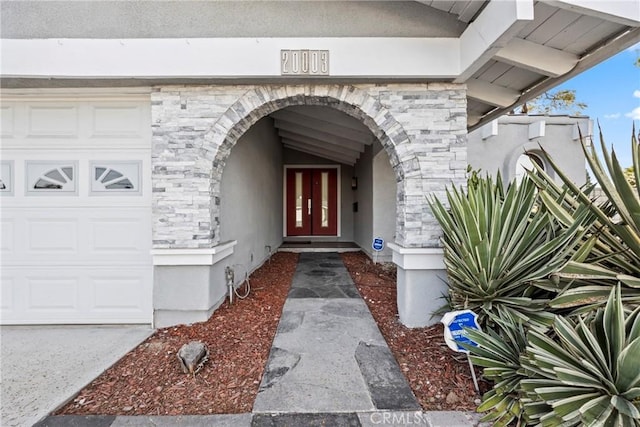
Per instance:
{"type": "Point", "coordinates": [330, 115]}
{"type": "Point", "coordinates": [536, 57]}
{"type": "Point", "coordinates": [330, 128]}
{"type": "Point", "coordinates": [353, 146]}
{"type": "Point", "coordinates": [304, 150]}
{"type": "Point", "coordinates": [314, 133]}
{"type": "Point", "coordinates": [489, 93]}
{"type": "Point", "coordinates": [496, 25]}
{"type": "Point", "coordinates": [323, 145]}
{"type": "Point", "coordinates": [353, 156]}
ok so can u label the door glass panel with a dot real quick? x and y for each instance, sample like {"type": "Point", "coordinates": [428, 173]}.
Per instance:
{"type": "Point", "coordinates": [324, 191]}
{"type": "Point", "coordinates": [298, 199]}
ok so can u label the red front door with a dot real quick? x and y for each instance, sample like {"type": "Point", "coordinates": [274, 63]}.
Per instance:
{"type": "Point", "coordinates": [312, 202]}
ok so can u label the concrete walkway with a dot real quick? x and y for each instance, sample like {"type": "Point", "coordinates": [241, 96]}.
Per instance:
{"type": "Point", "coordinates": [329, 366]}
{"type": "Point", "coordinates": [328, 354]}
{"type": "Point", "coordinates": [43, 366]}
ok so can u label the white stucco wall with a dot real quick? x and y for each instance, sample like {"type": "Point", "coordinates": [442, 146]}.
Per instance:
{"type": "Point", "coordinates": [251, 206]}
{"type": "Point", "coordinates": [497, 146]}
{"type": "Point", "coordinates": [384, 202]}
{"type": "Point", "coordinates": [363, 219]}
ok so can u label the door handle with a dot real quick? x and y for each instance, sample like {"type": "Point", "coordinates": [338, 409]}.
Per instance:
{"type": "Point", "coordinates": [309, 206]}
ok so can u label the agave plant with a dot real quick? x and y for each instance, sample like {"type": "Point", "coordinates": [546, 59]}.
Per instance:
{"type": "Point", "coordinates": [497, 242]}
{"type": "Point", "coordinates": [499, 351]}
{"type": "Point", "coordinates": [590, 373]}
{"type": "Point", "coordinates": [610, 252]}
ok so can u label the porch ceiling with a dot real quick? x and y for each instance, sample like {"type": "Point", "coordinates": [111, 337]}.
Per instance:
{"type": "Point", "coordinates": [322, 132]}
{"type": "Point", "coordinates": [561, 39]}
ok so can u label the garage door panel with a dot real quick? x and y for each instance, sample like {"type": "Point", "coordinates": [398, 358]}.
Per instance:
{"type": "Point", "coordinates": [80, 256]}
{"type": "Point", "coordinates": [124, 236]}
{"type": "Point", "coordinates": [52, 292]}
{"type": "Point", "coordinates": [7, 236]}
{"type": "Point", "coordinates": [82, 236]}
{"type": "Point", "coordinates": [7, 303]}
{"type": "Point", "coordinates": [57, 235]}
{"type": "Point", "coordinates": [52, 121]}
{"type": "Point", "coordinates": [7, 117]}
{"type": "Point", "coordinates": [117, 121]}
{"type": "Point", "coordinates": [117, 293]}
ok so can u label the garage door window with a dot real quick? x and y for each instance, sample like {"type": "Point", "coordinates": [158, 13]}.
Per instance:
{"type": "Point", "coordinates": [6, 177]}
{"type": "Point", "coordinates": [123, 177]}
{"type": "Point", "coordinates": [51, 178]}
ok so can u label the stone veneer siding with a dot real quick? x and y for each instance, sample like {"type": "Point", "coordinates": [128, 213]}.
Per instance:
{"type": "Point", "coordinates": [422, 127]}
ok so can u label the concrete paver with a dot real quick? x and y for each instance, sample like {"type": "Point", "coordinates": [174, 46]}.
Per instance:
{"type": "Point", "coordinates": [328, 354]}
{"type": "Point", "coordinates": [43, 366]}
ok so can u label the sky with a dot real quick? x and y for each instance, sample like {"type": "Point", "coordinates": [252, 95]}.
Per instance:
{"type": "Point", "coordinates": [611, 91]}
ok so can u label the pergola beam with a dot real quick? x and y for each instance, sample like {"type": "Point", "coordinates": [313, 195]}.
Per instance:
{"type": "Point", "coordinates": [492, 94]}
{"type": "Point", "coordinates": [492, 30]}
{"type": "Point", "coordinates": [536, 57]}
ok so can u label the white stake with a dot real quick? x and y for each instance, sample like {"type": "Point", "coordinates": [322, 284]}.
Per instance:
{"type": "Point", "coordinates": [473, 374]}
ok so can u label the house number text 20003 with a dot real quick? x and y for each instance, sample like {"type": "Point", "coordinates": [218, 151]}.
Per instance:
{"type": "Point", "coordinates": [304, 62]}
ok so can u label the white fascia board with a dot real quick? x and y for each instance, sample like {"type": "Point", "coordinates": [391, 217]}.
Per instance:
{"type": "Point", "coordinates": [624, 12]}
{"type": "Point", "coordinates": [373, 57]}
{"type": "Point", "coordinates": [538, 58]}
{"type": "Point", "coordinates": [205, 256]}
{"type": "Point", "coordinates": [417, 258]}
{"type": "Point", "coordinates": [498, 23]}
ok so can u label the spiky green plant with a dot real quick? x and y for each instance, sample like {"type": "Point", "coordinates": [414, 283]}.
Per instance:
{"type": "Point", "coordinates": [589, 373]}
{"type": "Point", "coordinates": [499, 351]}
{"type": "Point", "coordinates": [497, 242]}
{"type": "Point", "coordinates": [610, 252]}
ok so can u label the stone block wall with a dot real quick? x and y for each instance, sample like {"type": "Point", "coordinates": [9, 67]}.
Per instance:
{"type": "Point", "coordinates": [422, 127]}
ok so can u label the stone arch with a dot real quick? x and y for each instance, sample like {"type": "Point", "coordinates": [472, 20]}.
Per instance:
{"type": "Point", "coordinates": [264, 100]}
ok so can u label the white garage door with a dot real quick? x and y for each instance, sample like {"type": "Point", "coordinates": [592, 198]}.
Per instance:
{"type": "Point", "coordinates": [76, 209]}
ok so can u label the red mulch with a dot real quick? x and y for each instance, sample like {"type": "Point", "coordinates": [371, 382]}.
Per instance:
{"type": "Point", "coordinates": [439, 381]}
{"type": "Point", "coordinates": [149, 381]}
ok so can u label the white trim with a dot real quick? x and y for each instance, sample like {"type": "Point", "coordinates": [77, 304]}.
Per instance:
{"type": "Point", "coordinates": [206, 256]}
{"type": "Point", "coordinates": [226, 57]}
{"type": "Point", "coordinates": [76, 94]}
{"type": "Point", "coordinates": [338, 195]}
{"type": "Point", "coordinates": [417, 258]}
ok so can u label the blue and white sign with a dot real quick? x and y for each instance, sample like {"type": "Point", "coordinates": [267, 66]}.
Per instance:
{"type": "Point", "coordinates": [454, 332]}
{"type": "Point", "coordinates": [378, 244]}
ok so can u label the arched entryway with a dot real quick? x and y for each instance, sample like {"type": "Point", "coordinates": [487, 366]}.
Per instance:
{"type": "Point", "coordinates": [263, 101]}
{"type": "Point", "coordinates": [420, 128]}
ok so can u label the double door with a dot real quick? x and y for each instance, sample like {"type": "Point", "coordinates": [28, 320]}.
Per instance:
{"type": "Point", "coordinates": [311, 204]}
